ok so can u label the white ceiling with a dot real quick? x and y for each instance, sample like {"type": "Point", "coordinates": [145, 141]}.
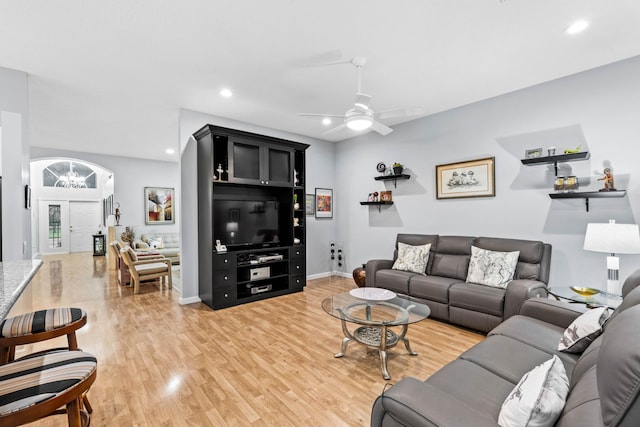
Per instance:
{"type": "Point", "coordinates": [111, 76]}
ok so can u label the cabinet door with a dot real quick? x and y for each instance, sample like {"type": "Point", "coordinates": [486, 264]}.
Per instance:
{"type": "Point", "coordinates": [245, 161]}
{"type": "Point", "coordinates": [260, 163]}
{"type": "Point", "coordinates": [279, 166]}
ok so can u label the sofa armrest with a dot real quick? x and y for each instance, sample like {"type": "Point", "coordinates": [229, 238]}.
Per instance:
{"type": "Point", "coordinates": [411, 402]}
{"type": "Point", "coordinates": [559, 313]}
{"type": "Point", "coordinates": [372, 266]}
{"type": "Point", "coordinates": [520, 290]}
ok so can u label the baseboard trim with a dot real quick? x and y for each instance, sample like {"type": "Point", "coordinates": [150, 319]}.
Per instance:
{"type": "Point", "coordinates": [319, 275]}
{"type": "Point", "coordinates": [190, 300]}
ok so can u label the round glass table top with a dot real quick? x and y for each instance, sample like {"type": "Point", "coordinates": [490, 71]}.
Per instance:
{"type": "Point", "coordinates": [379, 307]}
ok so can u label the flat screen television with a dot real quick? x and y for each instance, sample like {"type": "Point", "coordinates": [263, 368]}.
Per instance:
{"type": "Point", "coordinates": [240, 224]}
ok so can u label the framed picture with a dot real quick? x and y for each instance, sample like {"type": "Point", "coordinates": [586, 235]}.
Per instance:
{"type": "Point", "coordinates": [385, 196]}
{"type": "Point", "coordinates": [473, 178]}
{"type": "Point", "coordinates": [324, 203]}
{"type": "Point", "coordinates": [534, 152]}
{"type": "Point", "coordinates": [309, 205]}
{"type": "Point", "coordinates": [159, 205]}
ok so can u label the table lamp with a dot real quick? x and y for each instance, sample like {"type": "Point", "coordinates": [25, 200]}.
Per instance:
{"type": "Point", "coordinates": [613, 239]}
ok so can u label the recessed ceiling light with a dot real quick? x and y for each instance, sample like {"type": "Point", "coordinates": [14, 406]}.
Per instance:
{"type": "Point", "coordinates": [170, 151]}
{"type": "Point", "coordinates": [326, 121]}
{"type": "Point", "coordinates": [226, 93]}
{"type": "Point", "coordinates": [576, 27]}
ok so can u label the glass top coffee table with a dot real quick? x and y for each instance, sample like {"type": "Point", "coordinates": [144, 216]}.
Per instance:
{"type": "Point", "coordinates": [602, 298]}
{"type": "Point", "coordinates": [376, 310]}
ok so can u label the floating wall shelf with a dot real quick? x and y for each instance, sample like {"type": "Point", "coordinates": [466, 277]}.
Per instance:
{"type": "Point", "coordinates": [586, 195]}
{"type": "Point", "coordinates": [393, 178]}
{"type": "Point", "coordinates": [378, 204]}
{"type": "Point", "coordinates": [560, 158]}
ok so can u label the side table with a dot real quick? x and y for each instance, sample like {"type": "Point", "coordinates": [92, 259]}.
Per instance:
{"type": "Point", "coordinates": [359, 276]}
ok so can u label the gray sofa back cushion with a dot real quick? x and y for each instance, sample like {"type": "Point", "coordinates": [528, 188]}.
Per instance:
{"type": "Point", "coordinates": [451, 257]}
{"type": "Point", "coordinates": [532, 254]}
{"type": "Point", "coordinates": [618, 371]}
{"type": "Point", "coordinates": [417, 240]}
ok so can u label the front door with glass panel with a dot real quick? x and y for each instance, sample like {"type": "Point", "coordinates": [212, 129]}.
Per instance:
{"type": "Point", "coordinates": [54, 226]}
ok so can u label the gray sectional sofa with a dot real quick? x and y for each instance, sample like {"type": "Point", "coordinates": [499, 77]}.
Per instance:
{"type": "Point", "coordinates": [604, 379]}
{"type": "Point", "coordinates": [443, 285]}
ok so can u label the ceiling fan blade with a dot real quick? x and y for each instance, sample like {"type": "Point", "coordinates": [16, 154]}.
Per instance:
{"type": "Point", "coordinates": [335, 129]}
{"type": "Point", "coordinates": [401, 112]}
{"type": "Point", "coordinates": [321, 115]}
{"type": "Point", "coordinates": [380, 128]}
{"type": "Point", "coordinates": [362, 102]}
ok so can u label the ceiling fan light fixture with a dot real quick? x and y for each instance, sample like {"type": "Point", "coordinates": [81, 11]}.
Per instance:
{"type": "Point", "coordinates": [359, 122]}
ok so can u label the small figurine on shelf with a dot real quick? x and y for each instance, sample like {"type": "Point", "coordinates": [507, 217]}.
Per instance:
{"type": "Point", "coordinates": [296, 205]}
{"type": "Point", "coordinates": [375, 196]}
{"type": "Point", "coordinates": [296, 180]}
{"type": "Point", "coordinates": [608, 180]}
{"type": "Point", "coordinates": [220, 171]}
{"type": "Point", "coordinates": [117, 213]}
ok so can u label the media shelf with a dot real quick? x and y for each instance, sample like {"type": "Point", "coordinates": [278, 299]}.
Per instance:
{"type": "Point", "coordinates": [248, 187]}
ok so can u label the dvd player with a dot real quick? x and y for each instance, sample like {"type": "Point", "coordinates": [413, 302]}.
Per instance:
{"type": "Point", "coordinates": [274, 257]}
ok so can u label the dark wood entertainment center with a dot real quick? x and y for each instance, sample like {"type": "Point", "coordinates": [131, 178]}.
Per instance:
{"type": "Point", "coordinates": [247, 184]}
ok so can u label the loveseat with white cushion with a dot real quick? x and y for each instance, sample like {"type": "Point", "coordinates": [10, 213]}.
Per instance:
{"type": "Point", "coordinates": [476, 282]}
{"type": "Point", "coordinates": [501, 381]}
{"type": "Point", "coordinates": [166, 244]}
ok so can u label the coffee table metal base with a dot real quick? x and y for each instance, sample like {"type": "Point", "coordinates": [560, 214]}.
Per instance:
{"type": "Point", "coordinates": [379, 337]}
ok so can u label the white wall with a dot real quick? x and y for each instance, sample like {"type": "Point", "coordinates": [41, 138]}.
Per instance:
{"type": "Point", "coordinates": [16, 226]}
{"type": "Point", "coordinates": [320, 172]}
{"type": "Point", "coordinates": [597, 108]}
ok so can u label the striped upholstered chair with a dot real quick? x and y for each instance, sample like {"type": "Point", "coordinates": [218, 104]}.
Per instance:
{"type": "Point", "coordinates": [35, 387]}
{"type": "Point", "coordinates": [30, 328]}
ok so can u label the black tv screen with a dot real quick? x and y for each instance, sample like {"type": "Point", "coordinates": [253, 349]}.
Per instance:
{"type": "Point", "coordinates": [252, 223]}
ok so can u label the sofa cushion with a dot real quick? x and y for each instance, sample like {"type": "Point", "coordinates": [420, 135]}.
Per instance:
{"type": "Point", "coordinates": [538, 334]}
{"type": "Point", "coordinates": [156, 243]}
{"type": "Point", "coordinates": [538, 399]}
{"type": "Point", "coordinates": [492, 268]}
{"type": "Point", "coordinates": [412, 258]}
{"type": "Point", "coordinates": [582, 331]}
{"type": "Point", "coordinates": [618, 370]}
{"type": "Point", "coordinates": [473, 385]}
{"type": "Point", "coordinates": [484, 299]}
{"type": "Point", "coordinates": [451, 257]}
{"type": "Point", "coordinates": [434, 288]}
{"type": "Point", "coordinates": [394, 280]}
{"type": "Point", "coordinates": [506, 357]}
{"type": "Point", "coordinates": [169, 240]}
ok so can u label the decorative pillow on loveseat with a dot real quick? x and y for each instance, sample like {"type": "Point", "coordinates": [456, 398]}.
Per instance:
{"type": "Point", "coordinates": [412, 258]}
{"type": "Point", "coordinates": [492, 268]}
{"type": "Point", "coordinates": [582, 331]}
{"type": "Point", "coordinates": [538, 399]}
{"type": "Point", "coordinates": [156, 243]}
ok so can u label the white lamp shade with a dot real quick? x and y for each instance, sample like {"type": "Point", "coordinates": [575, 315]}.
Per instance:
{"type": "Point", "coordinates": [613, 238]}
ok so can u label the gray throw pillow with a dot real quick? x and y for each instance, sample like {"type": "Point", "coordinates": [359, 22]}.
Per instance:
{"type": "Point", "coordinates": [492, 268]}
{"type": "Point", "coordinates": [412, 258]}
{"type": "Point", "coordinates": [538, 399]}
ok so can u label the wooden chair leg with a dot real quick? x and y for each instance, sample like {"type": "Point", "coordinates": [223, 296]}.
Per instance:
{"type": "Point", "coordinates": [73, 413]}
{"type": "Point", "coordinates": [72, 341]}
{"type": "Point", "coordinates": [4, 355]}
{"type": "Point", "coordinates": [87, 405]}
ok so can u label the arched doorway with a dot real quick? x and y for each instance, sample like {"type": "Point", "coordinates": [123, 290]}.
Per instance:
{"type": "Point", "coordinates": [72, 204]}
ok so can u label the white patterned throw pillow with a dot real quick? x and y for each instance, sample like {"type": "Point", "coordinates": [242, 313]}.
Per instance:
{"type": "Point", "coordinates": [492, 268]}
{"type": "Point", "coordinates": [412, 258]}
{"type": "Point", "coordinates": [538, 399]}
{"type": "Point", "coordinates": [582, 331]}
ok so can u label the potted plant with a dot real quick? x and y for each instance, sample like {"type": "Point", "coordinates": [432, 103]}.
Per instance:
{"type": "Point", "coordinates": [397, 168]}
{"type": "Point", "coordinates": [128, 236]}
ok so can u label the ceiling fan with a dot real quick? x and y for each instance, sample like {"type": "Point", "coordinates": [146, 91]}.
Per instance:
{"type": "Point", "coordinates": [361, 116]}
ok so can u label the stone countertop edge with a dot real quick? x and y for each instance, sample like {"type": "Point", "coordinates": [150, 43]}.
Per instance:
{"type": "Point", "coordinates": [14, 278]}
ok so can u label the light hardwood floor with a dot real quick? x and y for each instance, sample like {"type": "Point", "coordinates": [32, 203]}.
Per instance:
{"type": "Point", "coordinates": [267, 363]}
